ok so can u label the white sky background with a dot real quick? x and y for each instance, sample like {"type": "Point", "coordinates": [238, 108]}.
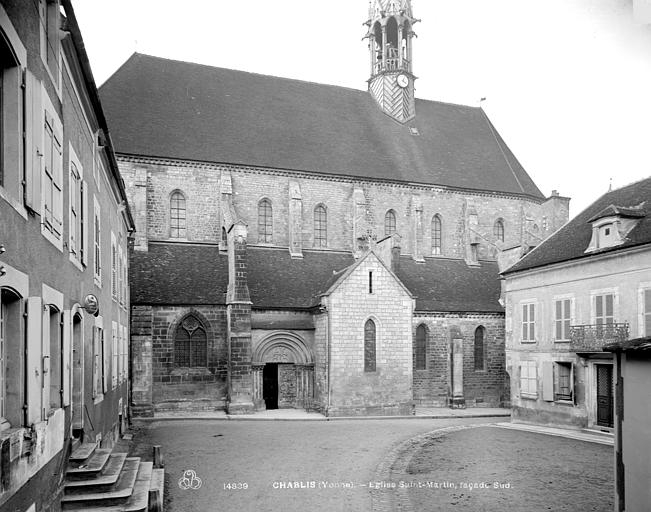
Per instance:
{"type": "Point", "coordinates": [567, 82]}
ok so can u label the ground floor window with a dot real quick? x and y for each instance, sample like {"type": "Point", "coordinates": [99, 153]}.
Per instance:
{"type": "Point", "coordinates": [369, 346]}
{"type": "Point", "coordinates": [11, 359]}
{"type": "Point", "coordinates": [564, 381]}
{"type": "Point", "coordinates": [190, 343]}
{"type": "Point", "coordinates": [529, 379]}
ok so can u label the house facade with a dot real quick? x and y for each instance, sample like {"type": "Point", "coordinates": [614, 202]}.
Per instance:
{"type": "Point", "coordinates": [64, 227]}
{"type": "Point", "coordinates": [586, 286]}
{"type": "Point", "coordinates": [252, 194]}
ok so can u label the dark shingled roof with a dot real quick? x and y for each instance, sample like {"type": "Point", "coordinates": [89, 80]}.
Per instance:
{"type": "Point", "coordinates": [170, 109]}
{"type": "Point", "coordinates": [449, 285]}
{"type": "Point", "coordinates": [571, 241]}
{"type": "Point", "coordinates": [183, 274]}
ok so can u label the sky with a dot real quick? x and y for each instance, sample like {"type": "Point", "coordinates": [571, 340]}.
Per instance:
{"type": "Point", "coordinates": [567, 82]}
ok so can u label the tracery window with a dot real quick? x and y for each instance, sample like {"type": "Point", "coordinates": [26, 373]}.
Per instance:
{"type": "Point", "coordinates": [436, 235]}
{"type": "Point", "coordinates": [265, 222]}
{"type": "Point", "coordinates": [190, 343]}
{"type": "Point", "coordinates": [320, 227]}
{"type": "Point", "coordinates": [390, 223]}
{"type": "Point", "coordinates": [177, 215]}
{"type": "Point", "coordinates": [498, 230]}
{"type": "Point", "coordinates": [480, 352]}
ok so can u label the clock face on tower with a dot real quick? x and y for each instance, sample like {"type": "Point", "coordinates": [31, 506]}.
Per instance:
{"type": "Point", "coordinates": [403, 80]}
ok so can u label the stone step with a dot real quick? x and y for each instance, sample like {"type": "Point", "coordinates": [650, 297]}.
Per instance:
{"type": "Point", "coordinates": [106, 478]}
{"type": "Point", "coordinates": [137, 501]}
{"type": "Point", "coordinates": [89, 467]}
{"type": "Point", "coordinates": [82, 452]}
{"type": "Point", "coordinates": [117, 495]}
{"type": "Point", "coordinates": [156, 490]}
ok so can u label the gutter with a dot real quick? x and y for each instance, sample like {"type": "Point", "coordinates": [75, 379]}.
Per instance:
{"type": "Point", "coordinates": [91, 88]}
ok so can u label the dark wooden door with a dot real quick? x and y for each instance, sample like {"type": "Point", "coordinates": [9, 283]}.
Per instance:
{"type": "Point", "coordinates": [605, 395]}
{"type": "Point", "coordinates": [270, 385]}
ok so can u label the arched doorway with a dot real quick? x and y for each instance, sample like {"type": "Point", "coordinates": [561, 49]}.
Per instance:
{"type": "Point", "coordinates": [283, 373]}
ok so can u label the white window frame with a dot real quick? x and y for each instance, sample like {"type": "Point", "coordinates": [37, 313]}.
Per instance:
{"type": "Point", "coordinates": [46, 12]}
{"type": "Point", "coordinates": [115, 354]}
{"type": "Point", "coordinates": [52, 173]}
{"type": "Point", "coordinates": [593, 303]}
{"type": "Point", "coordinates": [97, 242]}
{"type": "Point", "coordinates": [565, 336]}
{"type": "Point", "coordinates": [529, 377]}
{"type": "Point", "coordinates": [78, 220]}
{"type": "Point", "coordinates": [114, 267]}
{"type": "Point", "coordinates": [643, 306]}
{"type": "Point", "coordinates": [557, 364]}
{"type": "Point", "coordinates": [528, 304]}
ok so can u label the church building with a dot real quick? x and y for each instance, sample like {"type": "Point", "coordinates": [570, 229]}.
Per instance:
{"type": "Point", "coordinates": [302, 245]}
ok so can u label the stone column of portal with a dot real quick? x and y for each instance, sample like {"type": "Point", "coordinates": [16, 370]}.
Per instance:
{"type": "Point", "coordinates": [418, 228]}
{"type": "Point", "coordinates": [258, 398]}
{"type": "Point", "coordinates": [295, 220]}
{"type": "Point", "coordinates": [400, 29]}
{"type": "Point", "coordinates": [457, 401]}
{"type": "Point", "coordinates": [240, 378]}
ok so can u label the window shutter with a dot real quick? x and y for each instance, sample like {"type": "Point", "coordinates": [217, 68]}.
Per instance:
{"type": "Point", "coordinates": [115, 355]}
{"type": "Point", "coordinates": [57, 179]}
{"type": "Point", "coordinates": [34, 309]}
{"type": "Point", "coordinates": [96, 362]}
{"type": "Point", "coordinates": [548, 381]}
{"type": "Point", "coordinates": [33, 142]}
{"type": "Point", "coordinates": [66, 369]}
{"type": "Point", "coordinates": [83, 212]}
{"type": "Point", "coordinates": [105, 362]}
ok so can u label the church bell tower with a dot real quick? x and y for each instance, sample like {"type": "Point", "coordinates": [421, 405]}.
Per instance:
{"type": "Point", "coordinates": [390, 38]}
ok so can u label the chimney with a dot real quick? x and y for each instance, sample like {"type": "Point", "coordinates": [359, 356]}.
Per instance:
{"type": "Point", "coordinates": [395, 257]}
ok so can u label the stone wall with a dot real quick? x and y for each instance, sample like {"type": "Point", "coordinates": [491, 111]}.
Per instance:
{"type": "Point", "coordinates": [481, 387]}
{"type": "Point", "coordinates": [387, 390]}
{"type": "Point", "coordinates": [167, 386]}
{"type": "Point", "coordinates": [525, 220]}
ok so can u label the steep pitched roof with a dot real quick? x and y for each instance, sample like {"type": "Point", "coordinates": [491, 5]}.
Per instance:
{"type": "Point", "coordinates": [183, 274]}
{"type": "Point", "coordinates": [170, 109]}
{"type": "Point", "coordinates": [449, 285]}
{"type": "Point", "coordinates": [571, 241]}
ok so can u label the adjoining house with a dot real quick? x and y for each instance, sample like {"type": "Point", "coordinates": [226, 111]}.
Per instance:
{"type": "Point", "coordinates": [586, 286]}
{"type": "Point", "coordinates": [64, 228]}
{"type": "Point", "coordinates": [252, 193]}
{"type": "Point", "coordinates": [632, 420]}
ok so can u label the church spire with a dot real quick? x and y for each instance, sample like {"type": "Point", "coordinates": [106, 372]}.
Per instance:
{"type": "Point", "coordinates": [390, 36]}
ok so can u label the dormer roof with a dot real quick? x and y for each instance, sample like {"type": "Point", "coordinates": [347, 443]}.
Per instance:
{"type": "Point", "coordinates": [631, 205]}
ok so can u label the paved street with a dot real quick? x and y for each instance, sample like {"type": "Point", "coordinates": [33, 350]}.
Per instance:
{"type": "Point", "coordinates": [334, 462]}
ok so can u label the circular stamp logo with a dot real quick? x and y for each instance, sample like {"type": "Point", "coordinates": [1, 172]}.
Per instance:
{"type": "Point", "coordinates": [189, 480]}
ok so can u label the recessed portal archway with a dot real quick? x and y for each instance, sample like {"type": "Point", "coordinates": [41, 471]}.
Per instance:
{"type": "Point", "coordinates": [283, 372]}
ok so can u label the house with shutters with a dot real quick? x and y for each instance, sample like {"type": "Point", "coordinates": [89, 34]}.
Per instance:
{"type": "Point", "coordinates": [312, 246]}
{"type": "Point", "coordinates": [64, 230]}
{"type": "Point", "coordinates": [585, 287]}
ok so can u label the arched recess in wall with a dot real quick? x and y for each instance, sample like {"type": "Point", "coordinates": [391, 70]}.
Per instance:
{"type": "Point", "coordinates": [265, 221]}
{"type": "Point", "coordinates": [420, 348]}
{"type": "Point", "coordinates": [498, 230]}
{"type": "Point", "coordinates": [282, 347]}
{"type": "Point", "coordinates": [189, 336]}
{"type": "Point", "coordinates": [390, 223]}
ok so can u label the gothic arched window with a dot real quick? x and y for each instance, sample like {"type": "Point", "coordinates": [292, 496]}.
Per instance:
{"type": "Point", "coordinates": [420, 348]}
{"type": "Point", "coordinates": [369, 346]}
{"type": "Point", "coordinates": [390, 223]}
{"type": "Point", "coordinates": [437, 229]}
{"type": "Point", "coordinates": [190, 343]}
{"type": "Point", "coordinates": [480, 349]}
{"type": "Point", "coordinates": [177, 215]}
{"type": "Point", "coordinates": [320, 227]}
{"type": "Point", "coordinates": [265, 222]}
{"type": "Point", "coordinates": [498, 230]}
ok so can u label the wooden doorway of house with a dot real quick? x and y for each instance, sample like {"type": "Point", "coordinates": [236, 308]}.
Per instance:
{"type": "Point", "coordinates": [605, 395]}
{"type": "Point", "coordinates": [270, 385]}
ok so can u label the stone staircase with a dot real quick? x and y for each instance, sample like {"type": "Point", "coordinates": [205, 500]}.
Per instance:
{"type": "Point", "coordinates": [101, 481]}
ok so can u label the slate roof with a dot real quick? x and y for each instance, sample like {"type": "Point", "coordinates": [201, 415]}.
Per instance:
{"type": "Point", "coordinates": [171, 109]}
{"type": "Point", "coordinates": [184, 274]}
{"type": "Point", "coordinates": [571, 241]}
{"type": "Point", "coordinates": [450, 285]}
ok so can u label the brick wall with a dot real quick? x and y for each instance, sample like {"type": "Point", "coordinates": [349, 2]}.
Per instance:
{"type": "Point", "coordinates": [481, 387]}
{"type": "Point", "coordinates": [387, 390]}
{"type": "Point", "coordinates": [200, 185]}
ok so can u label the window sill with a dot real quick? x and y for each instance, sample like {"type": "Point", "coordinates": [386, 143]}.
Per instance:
{"type": "Point", "coordinates": [76, 263]}
{"type": "Point", "coordinates": [528, 396]}
{"type": "Point", "coordinates": [56, 242]}
{"type": "Point", "coordinates": [569, 403]}
{"type": "Point", "coordinates": [528, 342]}
{"type": "Point", "coordinates": [562, 341]}
{"type": "Point", "coordinates": [13, 203]}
